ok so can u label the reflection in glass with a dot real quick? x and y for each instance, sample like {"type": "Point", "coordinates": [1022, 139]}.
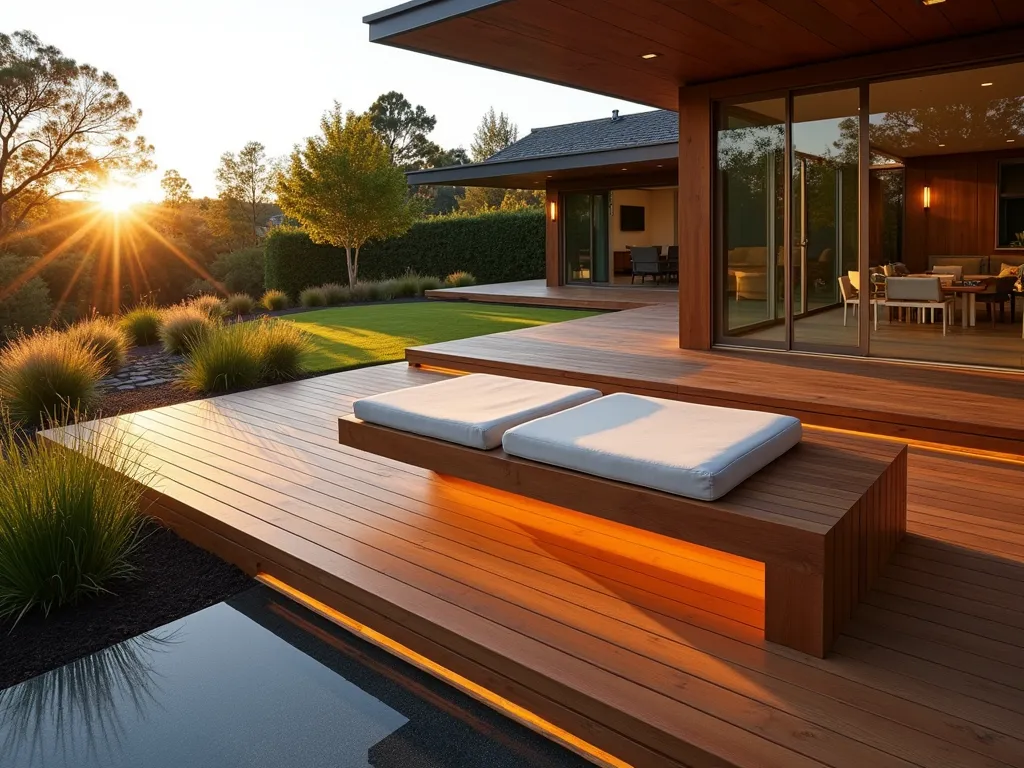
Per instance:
{"type": "Point", "coordinates": [961, 135]}
{"type": "Point", "coordinates": [750, 182]}
{"type": "Point", "coordinates": [825, 217]}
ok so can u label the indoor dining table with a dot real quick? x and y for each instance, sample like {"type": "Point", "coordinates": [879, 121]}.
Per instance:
{"type": "Point", "coordinates": [967, 293]}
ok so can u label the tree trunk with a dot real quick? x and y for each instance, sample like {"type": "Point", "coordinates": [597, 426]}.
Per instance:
{"type": "Point", "coordinates": [352, 262]}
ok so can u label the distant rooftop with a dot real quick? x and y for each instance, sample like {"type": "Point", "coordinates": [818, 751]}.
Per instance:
{"type": "Point", "coordinates": [617, 132]}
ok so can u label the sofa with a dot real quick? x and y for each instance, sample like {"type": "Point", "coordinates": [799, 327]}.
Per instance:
{"type": "Point", "coordinates": [978, 265]}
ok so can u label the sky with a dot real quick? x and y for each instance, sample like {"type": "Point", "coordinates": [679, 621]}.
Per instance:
{"type": "Point", "coordinates": [211, 76]}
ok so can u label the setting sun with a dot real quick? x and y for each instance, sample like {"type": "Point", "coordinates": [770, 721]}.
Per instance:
{"type": "Point", "coordinates": [117, 198]}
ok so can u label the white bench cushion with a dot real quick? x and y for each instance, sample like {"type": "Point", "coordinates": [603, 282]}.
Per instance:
{"type": "Point", "coordinates": [473, 410]}
{"type": "Point", "coordinates": [697, 451]}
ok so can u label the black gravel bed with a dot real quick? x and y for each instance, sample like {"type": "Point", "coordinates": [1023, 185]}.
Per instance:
{"type": "Point", "coordinates": [174, 578]}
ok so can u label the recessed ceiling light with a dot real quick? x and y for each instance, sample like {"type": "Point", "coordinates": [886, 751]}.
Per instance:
{"type": "Point", "coordinates": [660, 166]}
{"type": "Point", "coordinates": [942, 145]}
{"type": "Point", "coordinates": [932, 2]}
{"type": "Point", "coordinates": [649, 56]}
{"type": "Point", "coordinates": [985, 85]}
{"type": "Point", "coordinates": [1010, 141]}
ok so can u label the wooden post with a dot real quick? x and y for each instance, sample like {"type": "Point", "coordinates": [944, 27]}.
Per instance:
{"type": "Point", "coordinates": [695, 218]}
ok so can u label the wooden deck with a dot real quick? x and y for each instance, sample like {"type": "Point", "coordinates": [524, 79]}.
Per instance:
{"type": "Point", "coordinates": [637, 351]}
{"type": "Point", "coordinates": [647, 647]}
{"type": "Point", "coordinates": [537, 293]}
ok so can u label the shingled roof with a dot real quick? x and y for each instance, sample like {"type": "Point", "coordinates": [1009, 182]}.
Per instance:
{"type": "Point", "coordinates": [617, 132]}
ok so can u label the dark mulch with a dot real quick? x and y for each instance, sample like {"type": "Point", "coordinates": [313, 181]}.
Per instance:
{"type": "Point", "coordinates": [175, 578]}
{"type": "Point", "coordinates": [144, 398]}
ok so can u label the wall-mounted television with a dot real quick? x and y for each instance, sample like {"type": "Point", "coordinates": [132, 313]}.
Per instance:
{"type": "Point", "coordinates": [631, 218]}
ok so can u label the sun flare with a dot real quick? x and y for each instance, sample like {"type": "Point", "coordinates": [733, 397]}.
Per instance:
{"type": "Point", "coordinates": [117, 198]}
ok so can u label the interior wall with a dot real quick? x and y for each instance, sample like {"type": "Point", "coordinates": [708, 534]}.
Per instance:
{"type": "Point", "coordinates": [659, 218]}
{"type": "Point", "coordinates": [962, 217]}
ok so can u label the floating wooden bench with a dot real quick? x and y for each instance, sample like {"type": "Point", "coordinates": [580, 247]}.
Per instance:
{"type": "Point", "coordinates": [824, 518]}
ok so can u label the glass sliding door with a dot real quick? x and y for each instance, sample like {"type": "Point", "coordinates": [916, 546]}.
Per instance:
{"type": "Point", "coordinates": [585, 237]}
{"type": "Point", "coordinates": [825, 218]}
{"type": "Point", "coordinates": [750, 191]}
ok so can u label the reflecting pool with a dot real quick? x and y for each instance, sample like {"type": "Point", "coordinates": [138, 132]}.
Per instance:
{"type": "Point", "coordinates": [255, 681]}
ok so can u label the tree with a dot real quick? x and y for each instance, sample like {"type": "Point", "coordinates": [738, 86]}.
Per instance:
{"type": "Point", "coordinates": [403, 129]}
{"type": "Point", "coordinates": [177, 190]}
{"type": "Point", "coordinates": [441, 200]}
{"type": "Point", "coordinates": [481, 200]}
{"type": "Point", "coordinates": [245, 182]}
{"type": "Point", "coordinates": [64, 127]}
{"type": "Point", "coordinates": [495, 133]}
{"type": "Point", "coordinates": [343, 188]}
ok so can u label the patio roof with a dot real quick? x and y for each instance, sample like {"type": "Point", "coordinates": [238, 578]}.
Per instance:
{"type": "Point", "coordinates": [643, 50]}
{"type": "Point", "coordinates": [630, 145]}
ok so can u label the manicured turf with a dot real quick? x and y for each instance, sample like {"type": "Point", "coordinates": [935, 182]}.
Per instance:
{"type": "Point", "coordinates": [350, 336]}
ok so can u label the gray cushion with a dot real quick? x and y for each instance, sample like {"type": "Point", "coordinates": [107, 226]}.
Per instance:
{"type": "Point", "coordinates": [697, 451]}
{"type": "Point", "coordinates": [973, 265]}
{"type": "Point", "coordinates": [472, 410]}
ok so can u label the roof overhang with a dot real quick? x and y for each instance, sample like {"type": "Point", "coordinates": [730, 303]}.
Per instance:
{"type": "Point", "coordinates": [605, 46]}
{"type": "Point", "coordinates": [535, 173]}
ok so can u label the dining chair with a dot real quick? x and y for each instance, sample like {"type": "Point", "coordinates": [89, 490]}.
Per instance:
{"type": "Point", "coordinates": [850, 296]}
{"type": "Point", "coordinates": [956, 271]}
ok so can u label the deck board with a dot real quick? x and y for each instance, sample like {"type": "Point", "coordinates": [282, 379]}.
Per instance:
{"type": "Point", "coordinates": [538, 294]}
{"type": "Point", "coordinates": [648, 647]}
{"type": "Point", "coordinates": [637, 350]}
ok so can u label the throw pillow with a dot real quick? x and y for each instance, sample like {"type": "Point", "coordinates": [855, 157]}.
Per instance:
{"type": "Point", "coordinates": [1008, 270]}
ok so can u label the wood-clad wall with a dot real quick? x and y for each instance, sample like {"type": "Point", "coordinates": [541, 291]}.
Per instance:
{"type": "Point", "coordinates": [962, 219]}
{"type": "Point", "coordinates": [695, 218]}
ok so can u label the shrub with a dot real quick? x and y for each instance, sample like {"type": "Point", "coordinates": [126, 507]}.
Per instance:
{"type": "Point", "coordinates": [29, 306]}
{"type": "Point", "coordinates": [496, 247]}
{"type": "Point", "coordinates": [274, 300]}
{"type": "Point", "coordinates": [335, 293]}
{"type": "Point", "coordinates": [142, 324]}
{"type": "Point", "coordinates": [198, 287]}
{"type": "Point", "coordinates": [209, 304]}
{"type": "Point", "coordinates": [429, 284]}
{"type": "Point", "coordinates": [224, 360]}
{"type": "Point", "coordinates": [283, 350]}
{"type": "Point", "coordinates": [239, 304]}
{"type": "Point", "coordinates": [47, 374]}
{"type": "Point", "coordinates": [105, 338]}
{"type": "Point", "coordinates": [240, 271]}
{"type": "Point", "coordinates": [183, 327]}
{"type": "Point", "coordinates": [69, 518]}
{"type": "Point", "coordinates": [313, 297]}
{"type": "Point", "coordinates": [459, 279]}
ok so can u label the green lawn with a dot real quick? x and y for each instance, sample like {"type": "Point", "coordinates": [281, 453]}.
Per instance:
{"type": "Point", "coordinates": [350, 336]}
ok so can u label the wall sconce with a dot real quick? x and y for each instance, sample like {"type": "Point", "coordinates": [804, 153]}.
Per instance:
{"type": "Point", "coordinates": [553, 210]}
{"type": "Point", "coordinates": [927, 198]}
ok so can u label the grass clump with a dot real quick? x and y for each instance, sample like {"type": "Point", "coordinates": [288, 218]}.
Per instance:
{"type": "Point", "coordinates": [184, 326]}
{"type": "Point", "coordinates": [69, 518]}
{"type": "Point", "coordinates": [142, 324]}
{"type": "Point", "coordinates": [222, 361]}
{"type": "Point", "coordinates": [335, 293]}
{"type": "Point", "coordinates": [244, 355]}
{"type": "Point", "coordinates": [361, 292]}
{"type": "Point", "coordinates": [459, 280]}
{"type": "Point", "coordinates": [273, 300]}
{"type": "Point", "coordinates": [238, 304]}
{"type": "Point", "coordinates": [313, 297]}
{"type": "Point", "coordinates": [208, 304]}
{"type": "Point", "coordinates": [283, 350]}
{"type": "Point", "coordinates": [382, 290]}
{"type": "Point", "coordinates": [407, 286]}
{"type": "Point", "coordinates": [428, 283]}
{"type": "Point", "coordinates": [45, 375]}
{"type": "Point", "coordinates": [105, 338]}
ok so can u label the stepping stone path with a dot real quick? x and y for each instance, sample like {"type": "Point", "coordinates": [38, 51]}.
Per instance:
{"type": "Point", "coordinates": [143, 371]}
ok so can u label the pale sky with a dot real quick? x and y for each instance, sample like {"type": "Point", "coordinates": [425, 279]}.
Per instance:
{"type": "Point", "coordinates": [210, 76]}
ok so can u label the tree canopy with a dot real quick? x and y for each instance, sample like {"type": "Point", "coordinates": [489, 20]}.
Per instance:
{"type": "Point", "coordinates": [245, 182]}
{"type": "Point", "coordinates": [177, 190]}
{"type": "Point", "coordinates": [403, 128]}
{"type": "Point", "coordinates": [495, 132]}
{"type": "Point", "coordinates": [64, 127]}
{"type": "Point", "coordinates": [343, 188]}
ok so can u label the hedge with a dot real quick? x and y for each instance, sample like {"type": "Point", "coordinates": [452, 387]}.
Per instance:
{"type": "Point", "coordinates": [495, 247]}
